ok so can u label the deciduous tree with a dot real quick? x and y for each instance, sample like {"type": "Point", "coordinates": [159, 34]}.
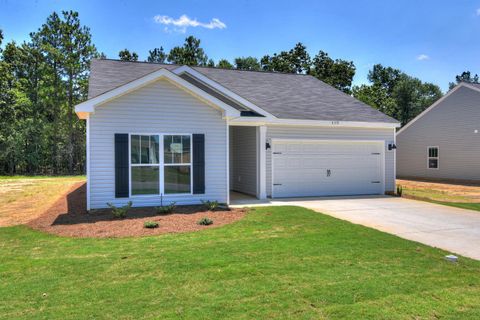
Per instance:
{"type": "Point", "coordinates": [296, 60]}
{"type": "Point", "coordinates": [247, 63]}
{"type": "Point", "coordinates": [126, 55]}
{"type": "Point", "coordinates": [337, 73]}
{"type": "Point", "coordinates": [190, 53]}
{"type": "Point", "coordinates": [157, 55]}
{"type": "Point", "coordinates": [224, 64]}
{"type": "Point", "coordinates": [397, 94]}
{"type": "Point", "coordinates": [465, 76]}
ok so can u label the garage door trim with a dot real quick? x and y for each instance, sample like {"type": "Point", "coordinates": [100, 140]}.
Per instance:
{"type": "Point", "coordinates": [333, 141]}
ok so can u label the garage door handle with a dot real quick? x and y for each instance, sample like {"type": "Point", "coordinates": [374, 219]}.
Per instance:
{"type": "Point", "coordinates": [375, 181]}
{"type": "Point", "coordinates": [277, 153]}
{"type": "Point", "coordinates": [277, 184]}
{"type": "Point", "coordinates": [376, 153]}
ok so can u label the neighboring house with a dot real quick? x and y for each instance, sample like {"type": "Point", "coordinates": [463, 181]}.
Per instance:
{"type": "Point", "coordinates": [194, 133]}
{"type": "Point", "coordinates": [443, 142]}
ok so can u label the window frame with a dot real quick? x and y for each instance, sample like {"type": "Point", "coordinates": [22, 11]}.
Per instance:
{"type": "Point", "coordinates": [161, 165]}
{"type": "Point", "coordinates": [436, 158]}
{"type": "Point", "coordinates": [190, 164]}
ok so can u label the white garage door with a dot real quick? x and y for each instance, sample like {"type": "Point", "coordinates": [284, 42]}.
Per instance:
{"type": "Point", "coordinates": [327, 168]}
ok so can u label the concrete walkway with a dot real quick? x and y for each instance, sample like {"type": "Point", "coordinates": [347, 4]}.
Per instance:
{"type": "Point", "coordinates": [452, 229]}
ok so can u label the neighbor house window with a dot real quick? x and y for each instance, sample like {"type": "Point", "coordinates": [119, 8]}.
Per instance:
{"type": "Point", "coordinates": [145, 164]}
{"type": "Point", "coordinates": [177, 164]}
{"type": "Point", "coordinates": [432, 157]}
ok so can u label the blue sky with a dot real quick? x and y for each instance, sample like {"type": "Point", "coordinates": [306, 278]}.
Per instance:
{"type": "Point", "coordinates": [432, 40]}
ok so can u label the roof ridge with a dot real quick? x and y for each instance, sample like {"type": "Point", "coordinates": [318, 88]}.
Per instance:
{"type": "Point", "coordinates": [204, 67]}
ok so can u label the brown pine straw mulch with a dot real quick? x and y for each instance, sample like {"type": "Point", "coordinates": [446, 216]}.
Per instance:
{"type": "Point", "coordinates": [69, 217]}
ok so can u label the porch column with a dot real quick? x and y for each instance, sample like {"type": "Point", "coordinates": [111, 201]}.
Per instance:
{"type": "Point", "coordinates": [261, 162]}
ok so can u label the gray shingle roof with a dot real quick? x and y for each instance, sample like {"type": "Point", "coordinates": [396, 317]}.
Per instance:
{"type": "Point", "coordinates": [287, 96]}
{"type": "Point", "coordinates": [475, 85]}
{"type": "Point", "coordinates": [107, 74]}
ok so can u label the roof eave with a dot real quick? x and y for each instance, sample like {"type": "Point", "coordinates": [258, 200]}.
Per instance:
{"type": "Point", "coordinates": [245, 121]}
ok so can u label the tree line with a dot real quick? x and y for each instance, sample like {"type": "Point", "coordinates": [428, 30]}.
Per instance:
{"type": "Point", "coordinates": [43, 78]}
{"type": "Point", "coordinates": [390, 90]}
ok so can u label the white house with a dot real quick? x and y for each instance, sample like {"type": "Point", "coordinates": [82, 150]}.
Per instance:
{"type": "Point", "coordinates": [443, 142]}
{"type": "Point", "coordinates": [193, 133]}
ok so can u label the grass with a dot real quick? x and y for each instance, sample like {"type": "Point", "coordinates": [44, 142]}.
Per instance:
{"type": "Point", "coordinates": [24, 197]}
{"type": "Point", "coordinates": [441, 197]}
{"type": "Point", "coordinates": [434, 195]}
{"type": "Point", "coordinates": [469, 206]}
{"type": "Point", "coordinates": [38, 177]}
{"type": "Point", "coordinates": [278, 262]}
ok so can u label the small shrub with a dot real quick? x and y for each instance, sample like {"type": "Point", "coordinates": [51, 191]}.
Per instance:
{"type": "Point", "coordinates": [150, 224]}
{"type": "Point", "coordinates": [120, 212]}
{"type": "Point", "coordinates": [165, 209]}
{"type": "Point", "coordinates": [210, 205]}
{"type": "Point", "coordinates": [399, 190]}
{"type": "Point", "coordinates": [205, 221]}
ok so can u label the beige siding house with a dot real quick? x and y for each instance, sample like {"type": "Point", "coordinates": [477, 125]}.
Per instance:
{"type": "Point", "coordinates": [159, 132]}
{"type": "Point", "coordinates": [443, 142]}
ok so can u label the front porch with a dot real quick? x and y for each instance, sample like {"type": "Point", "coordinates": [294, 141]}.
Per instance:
{"type": "Point", "coordinates": [238, 199]}
{"type": "Point", "coordinates": [247, 163]}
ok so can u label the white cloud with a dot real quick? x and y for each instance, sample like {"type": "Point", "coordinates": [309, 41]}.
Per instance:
{"type": "Point", "coordinates": [423, 57]}
{"type": "Point", "coordinates": [181, 24]}
{"type": "Point", "coordinates": [478, 12]}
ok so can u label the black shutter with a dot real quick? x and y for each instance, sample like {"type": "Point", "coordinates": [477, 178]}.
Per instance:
{"type": "Point", "coordinates": [121, 165]}
{"type": "Point", "coordinates": [198, 163]}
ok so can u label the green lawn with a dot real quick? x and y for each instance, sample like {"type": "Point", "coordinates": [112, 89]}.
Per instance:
{"type": "Point", "coordinates": [441, 197]}
{"type": "Point", "coordinates": [469, 206]}
{"type": "Point", "coordinates": [279, 262]}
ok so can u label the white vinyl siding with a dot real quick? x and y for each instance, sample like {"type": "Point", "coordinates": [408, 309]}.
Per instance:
{"type": "Point", "coordinates": [339, 133]}
{"type": "Point", "coordinates": [453, 126]}
{"type": "Point", "coordinates": [164, 108]}
{"type": "Point", "coordinates": [243, 163]}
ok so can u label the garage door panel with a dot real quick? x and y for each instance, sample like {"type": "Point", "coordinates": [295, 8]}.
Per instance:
{"type": "Point", "coordinates": [326, 168]}
{"type": "Point", "coordinates": [339, 176]}
{"type": "Point", "coordinates": [325, 162]}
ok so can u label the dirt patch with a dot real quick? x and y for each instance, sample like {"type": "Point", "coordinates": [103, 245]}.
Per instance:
{"type": "Point", "coordinates": [68, 217]}
{"type": "Point", "coordinates": [462, 192]}
{"type": "Point", "coordinates": [25, 199]}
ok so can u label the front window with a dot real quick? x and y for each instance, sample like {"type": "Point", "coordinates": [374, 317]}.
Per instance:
{"type": "Point", "coordinates": [177, 163]}
{"type": "Point", "coordinates": [145, 165]}
{"type": "Point", "coordinates": [432, 157]}
{"type": "Point", "coordinates": [152, 174]}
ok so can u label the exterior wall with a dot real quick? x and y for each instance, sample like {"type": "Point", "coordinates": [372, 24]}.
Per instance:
{"type": "Point", "coordinates": [160, 107]}
{"type": "Point", "coordinates": [340, 133]}
{"type": "Point", "coordinates": [243, 159]}
{"type": "Point", "coordinates": [451, 126]}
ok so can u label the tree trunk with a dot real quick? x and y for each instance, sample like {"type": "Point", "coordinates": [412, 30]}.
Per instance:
{"type": "Point", "coordinates": [70, 122]}
{"type": "Point", "coordinates": [55, 108]}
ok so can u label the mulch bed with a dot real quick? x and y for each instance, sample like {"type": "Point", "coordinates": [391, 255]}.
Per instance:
{"type": "Point", "coordinates": [69, 217]}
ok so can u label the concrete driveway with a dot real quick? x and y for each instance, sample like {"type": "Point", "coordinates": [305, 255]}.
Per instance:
{"type": "Point", "coordinates": [452, 229]}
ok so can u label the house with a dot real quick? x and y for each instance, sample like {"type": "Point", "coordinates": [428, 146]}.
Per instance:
{"type": "Point", "coordinates": [185, 134]}
{"type": "Point", "coordinates": [443, 142]}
